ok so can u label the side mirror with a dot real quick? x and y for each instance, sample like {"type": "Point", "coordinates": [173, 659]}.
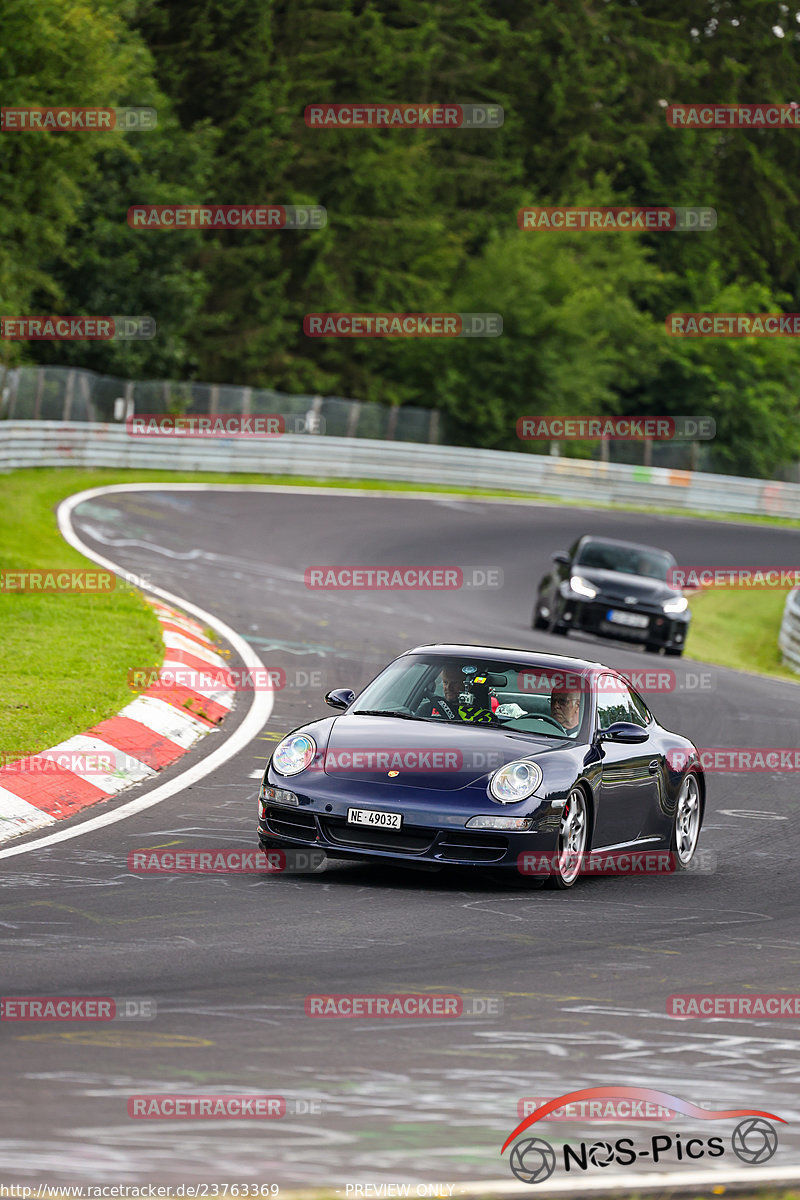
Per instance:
{"type": "Point", "coordinates": [623, 731]}
{"type": "Point", "coordinates": [340, 698]}
{"type": "Point", "coordinates": [562, 558]}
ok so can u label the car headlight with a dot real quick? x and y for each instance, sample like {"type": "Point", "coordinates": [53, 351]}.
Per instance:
{"type": "Point", "coordinates": [513, 824]}
{"type": "Point", "coordinates": [294, 754]}
{"type": "Point", "coordinates": [515, 781]}
{"type": "Point", "coordinates": [677, 605]}
{"type": "Point", "coordinates": [582, 586]}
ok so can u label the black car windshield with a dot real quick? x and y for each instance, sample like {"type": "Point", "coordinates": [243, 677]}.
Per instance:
{"type": "Point", "coordinates": [476, 691]}
{"type": "Point", "coordinates": [629, 560]}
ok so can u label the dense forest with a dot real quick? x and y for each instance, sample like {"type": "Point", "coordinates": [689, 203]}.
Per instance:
{"type": "Point", "coordinates": [419, 220]}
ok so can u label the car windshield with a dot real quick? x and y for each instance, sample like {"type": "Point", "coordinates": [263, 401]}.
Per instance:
{"type": "Point", "coordinates": [477, 691]}
{"type": "Point", "coordinates": [629, 560]}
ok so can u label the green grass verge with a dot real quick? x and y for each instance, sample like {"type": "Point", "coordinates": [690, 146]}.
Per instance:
{"type": "Point", "coordinates": [739, 629]}
{"type": "Point", "coordinates": [64, 659]}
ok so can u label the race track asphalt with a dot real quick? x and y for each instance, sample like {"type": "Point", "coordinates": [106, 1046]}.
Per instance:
{"type": "Point", "coordinates": [583, 975]}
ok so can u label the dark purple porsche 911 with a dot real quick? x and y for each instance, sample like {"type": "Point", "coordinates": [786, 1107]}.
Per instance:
{"type": "Point", "coordinates": [536, 765]}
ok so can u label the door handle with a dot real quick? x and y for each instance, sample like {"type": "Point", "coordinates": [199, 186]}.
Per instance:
{"type": "Point", "coordinates": [653, 767]}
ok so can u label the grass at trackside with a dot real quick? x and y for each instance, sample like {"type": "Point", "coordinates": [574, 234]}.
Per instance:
{"type": "Point", "coordinates": [739, 629]}
{"type": "Point", "coordinates": [64, 659]}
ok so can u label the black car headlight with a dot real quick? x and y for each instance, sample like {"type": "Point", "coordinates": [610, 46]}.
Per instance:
{"type": "Point", "coordinates": [515, 781]}
{"type": "Point", "coordinates": [582, 587]}
{"type": "Point", "coordinates": [678, 604]}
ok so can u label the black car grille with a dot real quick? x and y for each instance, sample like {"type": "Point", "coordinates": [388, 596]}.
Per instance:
{"type": "Point", "coordinates": [472, 847]}
{"type": "Point", "coordinates": [408, 841]}
{"type": "Point", "coordinates": [291, 822]}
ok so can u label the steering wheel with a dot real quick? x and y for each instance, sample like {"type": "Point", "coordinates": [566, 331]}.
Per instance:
{"type": "Point", "coordinates": [552, 720]}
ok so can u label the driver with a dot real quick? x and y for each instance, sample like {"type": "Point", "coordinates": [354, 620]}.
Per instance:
{"type": "Point", "coordinates": [565, 707]}
{"type": "Point", "coordinates": [453, 707]}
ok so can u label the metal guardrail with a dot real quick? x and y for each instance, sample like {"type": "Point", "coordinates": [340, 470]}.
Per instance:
{"type": "Point", "coordinates": [91, 444]}
{"type": "Point", "coordinates": [789, 636]}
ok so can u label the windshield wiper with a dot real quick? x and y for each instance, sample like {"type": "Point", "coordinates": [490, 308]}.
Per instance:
{"type": "Point", "coordinates": [385, 712]}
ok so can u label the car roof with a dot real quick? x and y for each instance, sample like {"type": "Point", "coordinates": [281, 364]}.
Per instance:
{"type": "Point", "coordinates": [607, 541]}
{"type": "Point", "coordinates": [531, 658]}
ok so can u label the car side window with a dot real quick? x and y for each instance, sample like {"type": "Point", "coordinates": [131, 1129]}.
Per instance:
{"type": "Point", "coordinates": [615, 702]}
{"type": "Point", "coordinates": [645, 716]}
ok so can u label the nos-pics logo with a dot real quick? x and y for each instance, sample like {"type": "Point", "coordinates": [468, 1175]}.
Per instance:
{"type": "Point", "coordinates": [533, 1160]}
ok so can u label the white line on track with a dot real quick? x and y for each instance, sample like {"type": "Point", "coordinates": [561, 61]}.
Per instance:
{"type": "Point", "coordinates": [250, 727]}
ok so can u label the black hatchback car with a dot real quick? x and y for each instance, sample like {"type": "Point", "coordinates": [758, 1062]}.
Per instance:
{"type": "Point", "coordinates": [614, 589]}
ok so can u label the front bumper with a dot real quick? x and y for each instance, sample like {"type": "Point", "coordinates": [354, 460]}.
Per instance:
{"type": "Point", "coordinates": [422, 840]}
{"type": "Point", "coordinates": [591, 616]}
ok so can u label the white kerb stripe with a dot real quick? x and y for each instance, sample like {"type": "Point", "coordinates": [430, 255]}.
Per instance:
{"type": "Point", "coordinates": [17, 816]}
{"type": "Point", "coordinates": [175, 618]}
{"type": "Point", "coordinates": [87, 757]}
{"type": "Point", "coordinates": [179, 641]}
{"type": "Point", "coordinates": [172, 723]}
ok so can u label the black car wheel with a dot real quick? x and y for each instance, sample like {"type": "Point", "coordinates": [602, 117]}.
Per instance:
{"type": "Point", "coordinates": [556, 626]}
{"type": "Point", "coordinates": [674, 651]}
{"type": "Point", "coordinates": [686, 826]}
{"type": "Point", "coordinates": [573, 837]}
{"type": "Point", "coordinates": [538, 621]}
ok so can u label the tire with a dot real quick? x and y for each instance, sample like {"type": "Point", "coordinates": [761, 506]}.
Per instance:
{"type": "Point", "coordinates": [573, 837]}
{"type": "Point", "coordinates": [556, 626]}
{"type": "Point", "coordinates": [686, 825]}
{"type": "Point", "coordinates": [538, 622]}
{"type": "Point", "coordinates": [674, 652]}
